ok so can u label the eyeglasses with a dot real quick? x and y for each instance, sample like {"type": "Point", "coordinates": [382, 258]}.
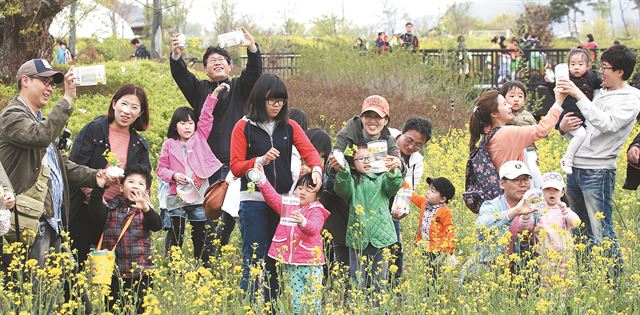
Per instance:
{"type": "Point", "coordinates": [604, 67]}
{"type": "Point", "coordinates": [46, 81]}
{"type": "Point", "coordinates": [214, 60]}
{"type": "Point", "coordinates": [277, 102]}
{"type": "Point", "coordinates": [520, 180]}
{"type": "Point", "coordinates": [412, 143]}
{"type": "Point", "coordinates": [363, 159]}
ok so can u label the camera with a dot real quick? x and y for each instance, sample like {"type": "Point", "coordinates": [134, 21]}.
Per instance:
{"type": "Point", "coordinates": [64, 141]}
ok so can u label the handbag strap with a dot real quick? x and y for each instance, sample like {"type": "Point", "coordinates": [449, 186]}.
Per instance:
{"type": "Point", "coordinates": [124, 229]}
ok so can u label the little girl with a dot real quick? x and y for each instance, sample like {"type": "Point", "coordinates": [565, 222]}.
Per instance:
{"type": "Point", "coordinates": [553, 228]}
{"type": "Point", "coordinates": [587, 81]}
{"type": "Point", "coordinates": [297, 242]}
{"type": "Point", "coordinates": [129, 221]}
{"type": "Point", "coordinates": [187, 160]}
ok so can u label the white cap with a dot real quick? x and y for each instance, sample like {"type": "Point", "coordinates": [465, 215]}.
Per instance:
{"type": "Point", "coordinates": [552, 180]}
{"type": "Point", "coordinates": [513, 169]}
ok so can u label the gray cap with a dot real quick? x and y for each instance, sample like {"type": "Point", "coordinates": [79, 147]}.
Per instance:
{"type": "Point", "coordinates": [41, 68]}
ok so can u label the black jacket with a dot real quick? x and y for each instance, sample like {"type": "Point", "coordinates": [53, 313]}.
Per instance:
{"type": "Point", "coordinates": [588, 83]}
{"type": "Point", "coordinates": [88, 149]}
{"type": "Point", "coordinates": [231, 105]}
{"type": "Point", "coordinates": [633, 172]}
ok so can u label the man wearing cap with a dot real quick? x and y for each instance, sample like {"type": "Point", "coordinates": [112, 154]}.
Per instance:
{"type": "Point", "coordinates": [369, 126]}
{"type": "Point", "coordinates": [409, 40]}
{"type": "Point", "coordinates": [40, 173]}
{"type": "Point", "coordinates": [499, 215]}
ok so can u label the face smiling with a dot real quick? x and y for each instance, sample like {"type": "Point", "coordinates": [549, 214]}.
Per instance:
{"type": "Point", "coordinates": [126, 110]}
{"type": "Point", "coordinates": [38, 90]}
{"type": "Point", "coordinates": [504, 113]}
{"type": "Point", "coordinates": [372, 123]}
{"type": "Point", "coordinates": [218, 68]}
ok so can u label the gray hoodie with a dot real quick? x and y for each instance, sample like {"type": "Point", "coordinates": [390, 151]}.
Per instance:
{"type": "Point", "coordinates": [609, 119]}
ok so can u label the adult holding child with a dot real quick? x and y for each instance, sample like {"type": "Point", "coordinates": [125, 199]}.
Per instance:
{"type": "Point", "coordinates": [107, 141]}
{"type": "Point", "coordinates": [609, 121]}
{"type": "Point", "coordinates": [230, 108]}
{"type": "Point", "coordinates": [266, 137]}
{"type": "Point", "coordinates": [490, 119]}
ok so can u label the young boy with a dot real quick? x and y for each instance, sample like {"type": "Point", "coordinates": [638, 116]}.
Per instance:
{"type": "Point", "coordinates": [370, 227]}
{"type": "Point", "coordinates": [131, 210]}
{"type": "Point", "coordinates": [515, 93]}
{"type": "Point", "coordinates": [435, 226]}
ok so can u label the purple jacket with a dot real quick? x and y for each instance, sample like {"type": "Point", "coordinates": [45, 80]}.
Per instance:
{"type": "Point", "coordinates": [297, 245]}
{"type": "Point", "coordinates": [200, 158]}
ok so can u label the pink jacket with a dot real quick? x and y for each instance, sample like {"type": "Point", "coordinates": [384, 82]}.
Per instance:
{"type": "Point", "coordinates": [201, 160]}
{"type": "Point", "coordinates": [557, 227]}
{"type": "Point", "coordinates": [297, 245]}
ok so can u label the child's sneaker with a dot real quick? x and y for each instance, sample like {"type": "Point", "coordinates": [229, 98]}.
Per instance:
{"type": "Point", "coordinates": [566, 165]}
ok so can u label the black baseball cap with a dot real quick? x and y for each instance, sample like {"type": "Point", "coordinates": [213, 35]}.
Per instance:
{"type": "Point", "coordinates": [443, 186]}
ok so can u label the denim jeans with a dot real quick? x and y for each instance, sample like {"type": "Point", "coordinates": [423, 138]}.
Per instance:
{"type": "Point", "coordinates": [258, 224]}
{"type": "Point", "coordinates": [590, 191]}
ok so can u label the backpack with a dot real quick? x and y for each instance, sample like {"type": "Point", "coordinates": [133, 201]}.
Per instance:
{"type": "Point", "coordinates": [482, 181]}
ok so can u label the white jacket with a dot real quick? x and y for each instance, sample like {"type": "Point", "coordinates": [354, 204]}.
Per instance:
{"type": "Point", "coordinates": [609, 119]}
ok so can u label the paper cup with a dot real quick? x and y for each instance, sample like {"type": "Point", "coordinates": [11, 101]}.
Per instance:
{"type": "Point", "coordinates": [182, 41]}
{"type": "Point", "coordinates": [378, 149]}
{"type": "Point", "coordinates": [289, 204]}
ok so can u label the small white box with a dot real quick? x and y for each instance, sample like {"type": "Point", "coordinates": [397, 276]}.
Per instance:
{"type": "Point", "coordinates": [90, 75]}
{"type": "Point", "coordinates": [234, 38]}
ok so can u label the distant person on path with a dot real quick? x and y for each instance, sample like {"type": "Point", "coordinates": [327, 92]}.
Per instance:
{"type": "Point", "coordinates": [592, 46]}
{"type": "Point", "coordinates": [382, 43]}
{"type": "Point", "coordinates": [141, 51]}
{"type": "Point", "coordinates": [63, 54]}
{"type": "Point", "coordinates": [409, 39]}
{"type": "Point", "coordinates": [232, 105]}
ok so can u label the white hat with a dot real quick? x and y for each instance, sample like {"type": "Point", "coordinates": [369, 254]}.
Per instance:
{"type": "Point", "coordinates": [552, 180]}
{"type": "Point", "coordinates": [513, 169]}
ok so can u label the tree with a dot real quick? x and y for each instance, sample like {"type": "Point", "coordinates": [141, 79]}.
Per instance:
{"type": "Point", "coordinates": [502, 21]}
{"type": "Point", "coordinates": [26, 32]}
{"type": "Point", "coordinates": [175, 14]}
{"type": "Point", "coordinates": [603, 8]}
{"type": "Point", "coordinates": [536, 19]}
{"type": "Point", "coordinates": [458, 20]}
{"type": "Point", "coordinates": [566, 9]}
{"type": "Point", "coordinates": [225, 14]}
{"type": "Point", "coordinates": [325, 25]}
{"type": "Point", "coordinates": [292, 27]}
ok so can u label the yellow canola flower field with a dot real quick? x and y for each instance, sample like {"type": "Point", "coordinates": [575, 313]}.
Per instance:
{"type": "Point", "coordinates": [512, 285]}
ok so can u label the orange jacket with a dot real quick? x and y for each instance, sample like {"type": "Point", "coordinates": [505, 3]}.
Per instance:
{"type": "Point", "coordinates": [441, 229]}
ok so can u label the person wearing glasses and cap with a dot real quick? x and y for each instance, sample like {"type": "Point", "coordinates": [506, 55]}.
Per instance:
{"type": "Point", "coordinates": [504, 213]}
{"type": "Point", "coordinates": [39, 172]}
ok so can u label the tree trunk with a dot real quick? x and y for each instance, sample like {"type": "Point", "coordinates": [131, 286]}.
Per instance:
{"type": "Point", "coordinates": [624, 21]}
{"type": "Point", "coordinates": [613, 27]}
{"type": "Point", "coordinates": [156, 27]}
{"type": "Point", "coordinates": [26, 34]}
{"type": "Point", "coordinates": [72, 31]}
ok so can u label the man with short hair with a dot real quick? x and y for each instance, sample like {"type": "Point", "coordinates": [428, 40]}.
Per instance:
{"type": "Point", "coordinates": [610, 119]}
{"type": "Point", "coordinates": [409, 40]}
{"type": "Point", "coordinates": [231, 106]}
{"type": "Point", "coordinates": [39, 172]}
{"type": "Point", "coordinates": [502, 214]}
{"type": "Point", "coordinates": [141, 51]}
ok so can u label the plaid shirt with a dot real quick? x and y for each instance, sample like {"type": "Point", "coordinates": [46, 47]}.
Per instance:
{"type": "Point", "coordinates": [133, 253]}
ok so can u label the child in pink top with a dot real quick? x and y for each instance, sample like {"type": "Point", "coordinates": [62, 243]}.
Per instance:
{"type": "Point", "coordinates": [187, 160]}
{"type": "Point", "coordinates": [297, 242]}
{"type": "Point", "coordinates": [553, 228]}
{"type": "Point", "coordinates": [508, 143]}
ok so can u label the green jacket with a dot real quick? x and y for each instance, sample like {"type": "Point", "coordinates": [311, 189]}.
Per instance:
{"type": "Point", "coordinates": [369, 217]}
{"type": "Point", "coordinates": [23, 145]}
{"type": "Point", "coordinates": [352, 134]}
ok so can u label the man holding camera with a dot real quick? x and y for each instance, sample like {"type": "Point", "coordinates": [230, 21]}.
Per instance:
{"type": "Point", "coordinates": [39, 172]}
{"type": "Point", "coordinates": [231, 105]}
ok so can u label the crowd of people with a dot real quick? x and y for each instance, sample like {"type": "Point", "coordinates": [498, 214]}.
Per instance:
{"type": "Point", "coordinates": [408, 40]}
{"type": "Point", "coordinates": [294, 182]}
